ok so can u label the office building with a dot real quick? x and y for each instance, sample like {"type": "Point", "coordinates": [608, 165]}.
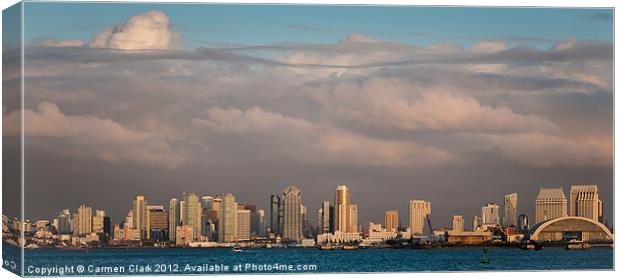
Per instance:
{"type": "Point", "coordinates": [325, 218]}
{"type": "Point", "coordinates": [83, 221]}
{"type": "Point", "coordinates": [584, 202]}
{"type": "Point", "coordinates": [550, 204]}
{"type": "Point", "coordinates": [490, 214]}
{"type": "Point", "coordinates": [511, 202]}
{"type": "Point", "coordinates": [243, 224]}
{"type": "Point", "coordinates": [173, 218]}
{"type": "Point", "coordinates": [342, 217]}
{"type": "Point", "coordinates": [193, 213]}
{"type": "Point", "coordinates": [140, 222]}
{"type": "Point", "coordinates": [158, 223]}
{"type": "Point", "coordinates": [476, 223]}
{"type": "Point", "coordinates": [227, 219]}
{"type": "Point", "coordinates": [98, 221]}
{"type": "Point", "coordinates": [419, 211]}
{"type": "Point", "coordinates": [65, 222]}
{"type": "Point", "coordinates": [391, 221]}
{"type": "Point", "coordinates": [458, 223]}
{"type": "Point", "coordinates": [291, 214]}
{"type": "Point", "coordinates": [275, 214]}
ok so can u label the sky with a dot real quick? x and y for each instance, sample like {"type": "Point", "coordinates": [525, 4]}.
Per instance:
{"type": "Point", "coordinates": [457, 106]}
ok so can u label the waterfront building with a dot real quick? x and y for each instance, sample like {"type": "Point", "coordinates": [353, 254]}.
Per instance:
{"type": "Point", "coordinates": [476, 223]}
{"type": "Point", "coordinates": [98, 221]}
{"type": "Point", "coordinates": [353, 214]}
{"type": "Point", "coordinates": [292, 218]}
{"type": "Point", "coordinates": [129, 219]}
{"type": "Point", "coordinates": [338, 238]}
{"type": "Point", "coordinates": [342, 216]}
{"type": "Point", "coordinates": [325, 218]}
{"type": "Point", "coordinates": [376, 233]}
{"type": "Point", "coordinates": [173, 218]}
{"type": "Point", "coordinates": [193, 212]}
{"type": "Point", "coordinates": [391, 220]}
{"type": "Point", "coordinates": [458, 223]}
{"type": "Point", "coordinates": [243, 224]}
{"type": "Point", "coordinates": [419, 211]}
{"type": "Point", "coordinates": [570, 228]}
{"type": "Point", "coordinates": [260, 220]}
{"type": "Point", "coordinates": [469, 237]}
{"type": "Point", "coordinates": [158, 223]}
{"type": "Point", "coordinates": [510, 209]}
{"type": "Point", "coordinates": [83, 221]}
{"type": "Point", "coordinates": [182, 211]}
{"type": "Point", "coordinates": [550, 203]}
{"type": "Point", "coordinates": [227, 218]}
{"type": "Point", "coordinates": [490, 214]}
{"type": "Point", "coordinates": [140, 221]}
{"type": "Point", "coordinates": [524, 223]}
{"type": "Point", "coordinates": [275, 214]}
{"type": "Point", "coordinates": [584, 202]}
{"type": "Point", "coordinates": [185, 235]}
{"type": "Point", "coordinates": [65, 222]}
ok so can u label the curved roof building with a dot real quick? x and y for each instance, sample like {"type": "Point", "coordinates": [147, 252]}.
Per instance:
{"type": "Point", "coordinates": [571, 227]}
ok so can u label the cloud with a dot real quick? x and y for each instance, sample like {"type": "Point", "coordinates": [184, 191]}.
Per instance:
{"type": "Point", "coordinates": [489, 46]}
{"type": "Point", "coordinates": [63, 43]}
{"type": "Point", "coordinates": [88, 135]}
{"type": "Point", "coordinates": [317, 143]}
{"type": "Point", "coordinates": [146, 31]}
{"type": "Point", "coordinates": [385, 103]}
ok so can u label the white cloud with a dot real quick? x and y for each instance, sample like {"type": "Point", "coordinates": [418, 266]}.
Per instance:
{"type": "Point", "coordinates": [88, 135]}
{"type": "Point", "coordinates": [63, 43]}
{"type": "Point", "coordinates": [146, 31]}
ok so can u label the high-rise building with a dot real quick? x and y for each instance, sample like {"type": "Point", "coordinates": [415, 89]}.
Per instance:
{"type": "Point", "coordinates": [292, 218]}
{"type": "Point", "coordinates": [511, 202]}
{"type": "Point", "coordinates": [458, 223]}
{"type": "Point", "coordinates": [227, 218]}
{"type": "Point", "coordinates": [325, 218]}
{"type": "Point", "coordinates": [419, 211]}
{"type": "Point", "coordinates": [207, 202]}
{"type": "Point", "coordinates": [342, 217]}
{"type": "Point", "coordinates": [524, 224]}
{"type": "Point", "coordinates": [83, 221]}
{"type": "Point", "coordinates": [98, 221]}
{"type": "Point", "coordinates": [353, 218]}
{"type": "Point", "coordinates": [183, 211]}
{"type": "Point", "coordinates": [260, 220]}
{"type": "Point", "coordinates": [140, 218]}
{"type": "Point", "coordinates": [158, 223]}
{"type": "Point", "coordinates": [65, 222]}
{"type": "Point", "coordinates": [275, 214]}
{"type": "Point", "coordinates": [584, 202]}
{"type": "Point", "coordinates": [173, 218]}
{"type": "Point", "coordinates": [476, 223]}
{"type": "Point", "coordinates": [550, 204]}
{"type": "Point", "coordinates": [490, 214]}
{"type": "Point", "coordinates": [193, 212]}
{"type": "Point", "coordinates": [391, 220]}
{"type": "Point", "coordinates": [243, 224]}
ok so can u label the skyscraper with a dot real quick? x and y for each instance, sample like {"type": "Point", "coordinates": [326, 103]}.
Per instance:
{"type": "Point", "coordinates": [391, 220]}
{"type": "Point", "coordinates": [353, 218]}
{"type": "Point", "coordinates": [183, 211]}
{"type": "Point", "coordinates": [550, 204]}
{"type": "Point", "coordinates": [476, 223]}
{"type": "Point", "coordinates": [98, 221]}
{"type": "Point", "coordinates": [158, 223]}
{"type": "Point", "coordinates": [83, 220]}
{"type": "Point", "coordinates": [292, 219]}
{"type": "Point", "coordinates": [65, 222]}
{"type": "Point", "coordinates": [419, 211]}
{"type": "Point", "coordinates": [325, 218]}
{"type": "Point", "coordinates": [342, 217]}
{"type": "Point", "coordinates": [510, 209]}
{"type": "Point", "coordinates": [140, 222]}
{"type": "Point", "coordinates": [173, 218]}
{"type": "Point", "coordinates": [227, 219]}
{"type": "Point", "coordinates": [260, 219]}
{"type": "Point", "coordinates": [490, 214]}
{"type": "Point", "coordinates": [207, 202]}
{"type": "Point", "coordinates": [584, 202]}
{"type": "Point", "coordinates": [243, 224]}
{"type": "Point", "coordinates": [193, 213]}
{"type": "Point", "coordinates": [458, 223]}
{"type": "Point", "coordinates": [274, 216]}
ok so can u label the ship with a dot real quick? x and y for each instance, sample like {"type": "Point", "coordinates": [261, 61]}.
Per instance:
{"type": "Point", "coordinates": [350, 247]}
{"type": "Point", "coordinates": [327, 247]}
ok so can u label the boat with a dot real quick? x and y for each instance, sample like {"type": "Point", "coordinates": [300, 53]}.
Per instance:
{"type": "Point", "coordinates": [327, 247]}
{"type": "Point", "coordinates": [349, 247]}
{"type": "Point", "coordinates": [237, 249]}
{"type": "Point", "coordinates": [73, 248]}
{"type": "Point", "coordinates": [578, 246]}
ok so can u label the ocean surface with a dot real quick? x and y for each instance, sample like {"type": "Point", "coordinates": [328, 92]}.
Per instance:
{"type": "Point", "coordinates": [43, 262]}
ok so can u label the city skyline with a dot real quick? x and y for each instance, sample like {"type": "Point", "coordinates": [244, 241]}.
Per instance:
{"type": "Point", "coordinates": [461, 111]}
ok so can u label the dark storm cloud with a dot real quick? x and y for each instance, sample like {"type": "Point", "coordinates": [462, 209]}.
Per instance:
{"type": "Point", "coordinates": [393, 121]}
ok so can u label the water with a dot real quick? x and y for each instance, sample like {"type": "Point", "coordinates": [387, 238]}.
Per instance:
{"type": "Point", "coordinates": [186, 261]}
